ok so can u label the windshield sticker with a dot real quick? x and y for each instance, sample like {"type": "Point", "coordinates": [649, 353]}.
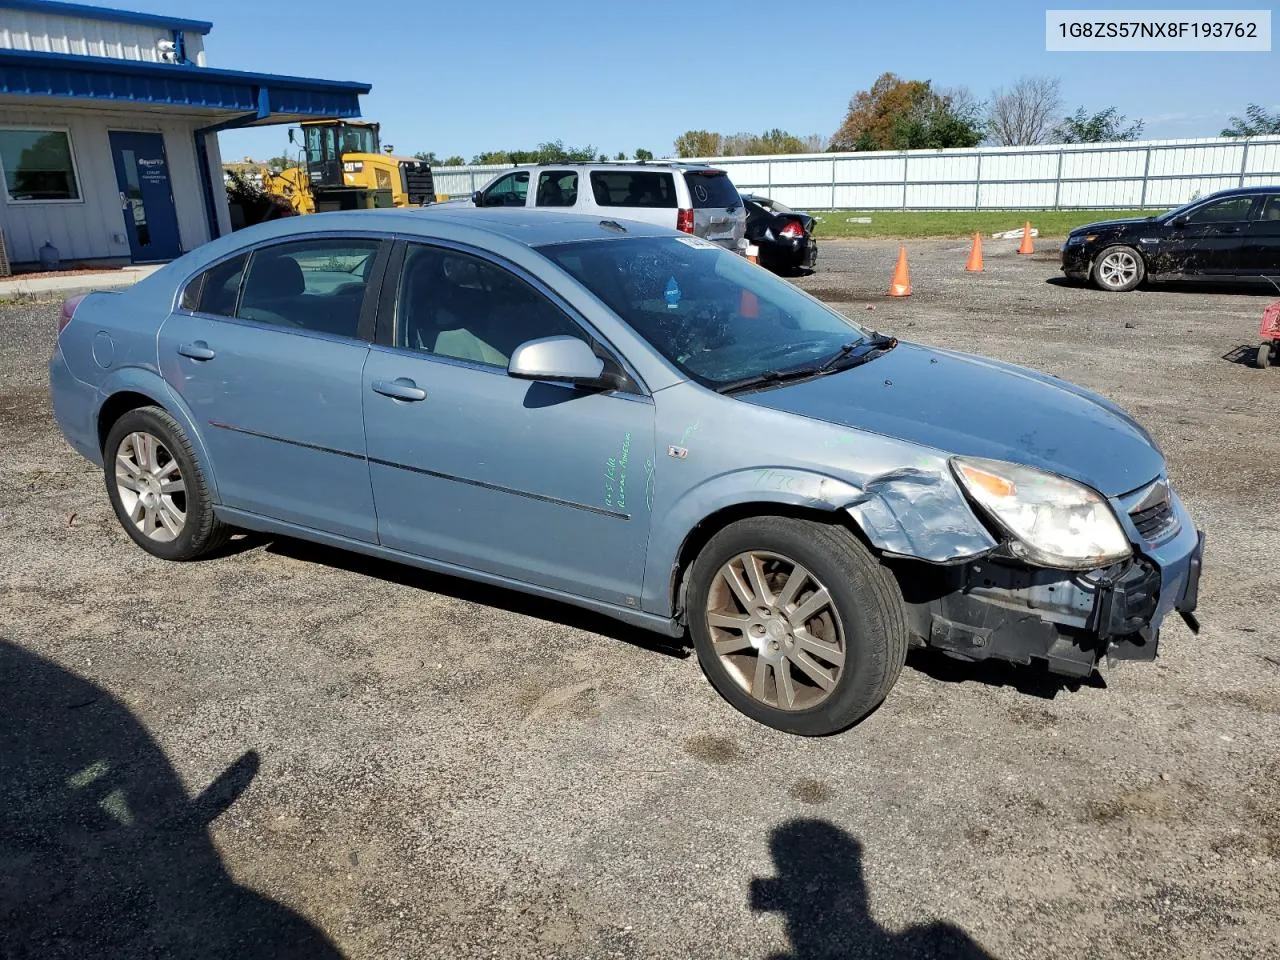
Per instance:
{"type": "Point", "coordinates": [696, 242]}
{"type": "Point", "coordinates": [700, 192]}
{"type": "Point", "coordinates": [672, 294]}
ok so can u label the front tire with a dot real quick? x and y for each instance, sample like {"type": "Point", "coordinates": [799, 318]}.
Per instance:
{"type": "Point", "coordinates": [1263, 358]}
{"type": "Point", "coordinates": [157, 487]}
{"type": "Point", "coordinates": [1119, 269]}
{"type": "Point", "coordinates": [796, 624]}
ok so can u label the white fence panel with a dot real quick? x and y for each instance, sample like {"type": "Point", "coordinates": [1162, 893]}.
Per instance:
{"type": "Point", "coordinates": [1151, 173]}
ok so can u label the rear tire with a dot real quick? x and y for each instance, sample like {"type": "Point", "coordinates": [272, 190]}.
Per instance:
{"type": "Point", "coordinates": [1263, 359]}
{"type": "Point", "coordinates": [1118, 269]}
{"type": "Point", "coordinates": [811, 639]}
{"type": "Point", "coordinates": [157, 487]}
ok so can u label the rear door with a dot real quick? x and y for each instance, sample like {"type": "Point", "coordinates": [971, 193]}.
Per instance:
{"type": "Point", "coordinates": [267, 350]}
{"type": "Point", "coordinates": [1262, 240]}
{"type": "Point", "coordinates": [645, 195]}
{"type": "Point", "coordinates": [556, 188]}
{"type": "Point", "coordinates": [718, 214]}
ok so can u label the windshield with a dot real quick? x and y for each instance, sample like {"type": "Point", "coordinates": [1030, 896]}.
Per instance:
{"type": "Point", "coordinates": [716, 317]}
{"type": "Point", "coordinates": [358, 140]}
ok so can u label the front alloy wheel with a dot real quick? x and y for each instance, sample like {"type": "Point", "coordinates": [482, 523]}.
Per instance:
{"type": "Point", "coordinates": [775, 630]}
{"type": "Point", "coordinates": [796, 623]}
{"type": "Point", "coordinates": [1119, 269]}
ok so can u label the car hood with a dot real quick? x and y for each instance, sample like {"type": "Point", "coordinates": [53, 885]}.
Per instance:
{"type": "Point", "coordinates": [1110, 224]}
{"type": "Point", "coordinates": [967, 405]}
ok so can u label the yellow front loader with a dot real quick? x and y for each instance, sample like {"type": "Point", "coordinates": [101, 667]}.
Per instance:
{"type": "Point", "coordinates": [342, 167]}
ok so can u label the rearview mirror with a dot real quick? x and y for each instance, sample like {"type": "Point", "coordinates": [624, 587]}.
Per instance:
{"type": "Point", "coordinates": [558, 358]}
{"type": "Point", "coordinates": [1178, 222]}
{"type": "Point", "coordinates": [475, 198]}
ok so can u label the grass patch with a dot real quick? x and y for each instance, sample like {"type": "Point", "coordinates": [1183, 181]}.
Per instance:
{"type": "Point", "coordinates": [960, 223]}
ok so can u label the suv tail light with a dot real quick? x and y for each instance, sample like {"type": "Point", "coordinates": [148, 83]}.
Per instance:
{"type": "Point", "coordinates": [684, 221]}
{"type": "Point", "coordinates": [792, 231]}
{"type": "Point", "coordinates": [68, 310]}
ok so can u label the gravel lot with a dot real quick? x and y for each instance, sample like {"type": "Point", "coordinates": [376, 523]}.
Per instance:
{"type": "Point", "coordinates": [290, 751]}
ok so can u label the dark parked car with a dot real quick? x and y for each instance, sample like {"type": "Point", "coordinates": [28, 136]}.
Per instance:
{"type": "Point", "coordinates": [784, 236]}
{"type": "Point", "coordinates": [1232, 235]}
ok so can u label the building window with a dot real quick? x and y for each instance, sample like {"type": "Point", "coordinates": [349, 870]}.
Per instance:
{"type": "Point", "coordinates": [38, 165]}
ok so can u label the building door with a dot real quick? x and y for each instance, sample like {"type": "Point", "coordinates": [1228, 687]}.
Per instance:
{"type": "Point", "coordinates": [146, 196]}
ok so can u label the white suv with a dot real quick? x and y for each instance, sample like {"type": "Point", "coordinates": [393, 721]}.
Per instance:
{"type": "Point", "coordinates": [689, 197]}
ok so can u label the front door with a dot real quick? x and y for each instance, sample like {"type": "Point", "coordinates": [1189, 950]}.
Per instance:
{"type": "Point", "coordinates": [537, 482]}
{"type": "Point", "coordinates": [1208, 241]}
{"type": "Point", "coordinates": [146, 196]}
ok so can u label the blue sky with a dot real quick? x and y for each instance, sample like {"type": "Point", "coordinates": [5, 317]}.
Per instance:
{"type": "Point", "coordinates": [460, 78]}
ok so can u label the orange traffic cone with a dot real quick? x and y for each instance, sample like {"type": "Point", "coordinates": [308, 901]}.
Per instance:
{"type": "Point", "coordinates": [975, 255]}
{"type": "Point", "coordinates": [1027, 246]}
{"type": "Point", "coordinates": [900, 286]}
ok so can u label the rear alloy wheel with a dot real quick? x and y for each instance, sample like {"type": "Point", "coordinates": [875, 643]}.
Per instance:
{"type": "Point", "coordinates": [157, 487]}
{"type": "Point", "coordinates": [1119, 269]}
{"type": "Point", "coordinates": [796, 624]}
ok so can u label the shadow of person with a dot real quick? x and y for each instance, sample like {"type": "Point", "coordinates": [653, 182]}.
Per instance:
{"type": "Point", "coordinates": [821, 891]}
{"type": "Point", "coordinates": [102, 854]}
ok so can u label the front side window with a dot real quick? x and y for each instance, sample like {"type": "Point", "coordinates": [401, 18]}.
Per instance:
{"type": "Point", "coordinates": [456, 305]}
{"type": "Point", "coordinates": [714, 316]}
{"type": "Point", "coordinates": [1230, 210]}
{"type": "Point", "coordinates": [315, 285]}
{"type": "Point", "coordinates": [38, 165]}
{"type": "Point", "coordinates": [557, 188]}
{"type": "Point", "coordinates": [1271, 212]}
{"type": "Point", "coordinates": [508, 191]}
{"type": "Point", "coordinates": [633, 188]}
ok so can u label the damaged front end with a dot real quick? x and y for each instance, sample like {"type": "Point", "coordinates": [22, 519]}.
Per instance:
{"type": "Point", "coordinates": [999, 606]}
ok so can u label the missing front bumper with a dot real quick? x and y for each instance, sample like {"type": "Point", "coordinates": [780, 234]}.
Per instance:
{"type": "Point", "coordinates": [989, 609]}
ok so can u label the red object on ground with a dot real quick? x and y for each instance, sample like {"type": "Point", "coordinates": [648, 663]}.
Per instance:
{"type": "Point", "coordinates": [1271, 322]}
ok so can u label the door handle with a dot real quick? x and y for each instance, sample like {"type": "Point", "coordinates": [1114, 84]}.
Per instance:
{"type": "Point", "coordinates": [402, 388]}
{"type": "Point", "coordinates": [196, 351]}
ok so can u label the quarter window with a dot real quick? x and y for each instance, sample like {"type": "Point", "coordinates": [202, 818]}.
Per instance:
{"type": "Point", "coordinates": [508, 191]}
{"type": "Point", "coordinates": [557, 188]}
{"type": "Point", "coordinates": [633, 188]}
{"type": "Point", "coordinates": [315, 285]}
{"type": "Point", "coordinates": [1271, 212]}
{"type": "Point", "coordinates": [452, 304]}
{"type": "Point", "coordinates": [218, 288]}
{"type": "Point", "coordinates": [38, 165]}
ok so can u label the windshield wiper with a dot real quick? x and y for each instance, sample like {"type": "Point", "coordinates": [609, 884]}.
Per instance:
{"type": "Point", "coordinates": [874, 345]}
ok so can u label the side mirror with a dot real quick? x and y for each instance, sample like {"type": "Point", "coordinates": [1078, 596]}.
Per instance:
{"type": "Point", "coordinates": [559, 358]}
{"type": "Point", "coordinates": [1178, 222]}
{"type": "Point", "coordinates": [475, 198]}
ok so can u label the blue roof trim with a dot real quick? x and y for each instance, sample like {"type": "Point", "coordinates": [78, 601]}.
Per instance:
{"type": "Point", "coordinates": [87, 12]}
{"type": "Point", "coordinates": [28, 73]}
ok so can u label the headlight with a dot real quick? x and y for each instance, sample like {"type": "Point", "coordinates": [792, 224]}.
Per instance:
{"type": "Point", "coordinates": [1055, 522]}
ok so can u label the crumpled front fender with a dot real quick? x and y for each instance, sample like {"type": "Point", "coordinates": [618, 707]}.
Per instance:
{"type": "Point", "coordinates": [921, 514]}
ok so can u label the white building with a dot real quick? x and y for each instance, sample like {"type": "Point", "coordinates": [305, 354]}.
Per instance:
{"type": "Point", "coordinates": [108, 130]}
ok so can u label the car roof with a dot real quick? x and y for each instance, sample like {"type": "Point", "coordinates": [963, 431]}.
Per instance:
{"type": "Point", "coordinates": [1242, 191]}
{"type": "Point", "coordinates": [528, 227]}
{"type": "Point", "coordinates": [626, 165]}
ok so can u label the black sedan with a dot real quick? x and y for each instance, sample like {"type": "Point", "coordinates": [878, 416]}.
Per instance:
{"type": "Point", "coordinates": [784, 236]}
{"type": "Point", "coordinates": [1228, 236]}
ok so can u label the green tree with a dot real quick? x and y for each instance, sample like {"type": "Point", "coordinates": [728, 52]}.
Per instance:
{"type": "Point", "coordinates": [282, 162]}
{"type": "Point", "coordinates": [643, 154]}
{"type": "Point", "coordinates": [620, 155]}
{"type": "Point", "coordinates": [698, 143]}
{"type": "Point", "coordinates": [1105, 126]}
{"type": "Point", "coordinates": [897, 114]}
{"type": "Point", "coordinates": [428, 156]}
{"type": "Point", "coordinates": [453, 160]}
{"type": "Point", "coordinates": [1256, 122]}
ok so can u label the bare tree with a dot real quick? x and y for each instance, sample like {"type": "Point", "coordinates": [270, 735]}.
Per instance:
{"type": "Point", "coordinates": [1025, 113]}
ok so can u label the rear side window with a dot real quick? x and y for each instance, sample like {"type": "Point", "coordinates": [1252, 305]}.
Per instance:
{"type": "Point", "coordinates": [557, 188]}
{"type": "Point", "coordinates": [218, 288]}
{"type": "Point", "coordinates": [712, 189]}
{"type": "Point", "coordinates": [315, 285]}
{"type": "Point", "coordinates": [633, 188]}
